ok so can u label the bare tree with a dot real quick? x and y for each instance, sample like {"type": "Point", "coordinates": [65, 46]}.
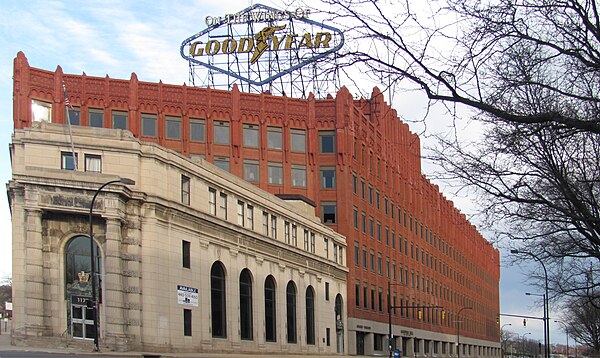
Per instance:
{"type": "Point", "coordinates": [531, 71]}
{"type": "Point", "coordinates": [583, 323]}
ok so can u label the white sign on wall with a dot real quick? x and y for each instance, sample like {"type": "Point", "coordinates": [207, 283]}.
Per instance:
{"type": "Point", "coordinates": [8, 306]}
{"type": "Point", "coordinates": [187, 295]}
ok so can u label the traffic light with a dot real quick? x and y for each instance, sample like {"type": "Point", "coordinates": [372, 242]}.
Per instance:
{"type": "Point", "coordinates": [443, 314]}
{"type": "Point", "coordinates": [497, 319]}
{"type": "Point", "coordinates": [524, 322]}
{"type": "Point", "coordinates": [420, 314]}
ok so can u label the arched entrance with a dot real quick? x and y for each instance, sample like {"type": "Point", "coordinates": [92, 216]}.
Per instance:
{"type": "Point", "coordinates": [339, 324]}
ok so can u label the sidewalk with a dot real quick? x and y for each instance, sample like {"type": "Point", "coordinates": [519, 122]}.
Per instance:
{"type": "Point", "coordinates": [5, 345]}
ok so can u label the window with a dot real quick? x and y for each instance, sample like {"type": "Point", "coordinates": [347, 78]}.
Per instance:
{"type": "Point", "coordinates": [326, 141]}
{"type": "Point", "coordinates": [310, 315]}
{"type": "Point", "coordinates": [148, 125]}
{"type": "Point", "coordinates": [364, 222]}
{"type": "Point", "coordinates": [370, 195]}
{"type": "Point", "coordinates": [328, 336]}
{"type": "Point", "coordinates": [362, 189]}
{"type": "Point", "coordinates": [380, 299]}
{"type": "Point", "coordinates": [67, 161]}
{"type": "Point", "coordinates": [217, 301]}
{"type": "Point", "coordinates": [298, 140]}
{"type": "Point", "coordinates": [41, 111]}
{"type": "Point", "coordinates": [119, 120]}
{"type": "Point", "coordinates": [356, 254]}
{"type": "Point", "coordinates": [241, 216]}
{"type": "Point", "coordinates": [185, 253]}
{"type": "Point", "coordinates": [173, 127]}
{"type": "Point", "coordinates": [223, 205]}
{"type": "Point", "coordinates": [274, 227]}
{"type": "Point", "coordinates": [305, 239]}
{"type": "Point", "coordinates": [197, 130]}
{"type": "Point", "coordinates": [290, 294]}
{"type": "Point", "coordinates": [372, 256]}
{"type": "Point", "coordinates": [96, 117]}
{"type": "Point", "coordinates": [275, 173]}
{"type": "Point", "coordinates": [373, 303]}
{"type": "Point", "coordinates": [250, 216]}
{"type": "Point", "coordinates": [265, 223]}
{"type": "Point", "coordinates": [286, 232]}
{"type": "Point", "coordinates": [250, 134]}
{"type": "Point", "coordinates": [93, 163]}
{"type": "Point", "coordinates": [270, 310]}
{"type": "Point", "coordinates": [251, 171]}
{"type": "Point", "coordinates": [212, 201]}
{"type": "Point", "coordinates": [327, 177]}
{"type": "Point", "coordinates": [355, 218]}
{"type": "Point", "coordinates": [299, 175]}
{"type": "Point", "coordinates": [77, 260]}
{"type": "Point", "coordinates": [365, 296]}
{"type": "Point", "coordinates": [185, 190]}
{"type": "Point", "coordinates": [221, 132]}
{"type": "Point", "coordinates": [246, 326]}
{"type": "Point", "coordinates": [379, 263]}
{"type": "Point", "coordinates": [328, 212]}
{"type": "Point", "coordinates": [371, 227]}
{"type": "Point", "coordinates": [187, 322]}
{"type": "Point", "coordinates": [74, 116]}
{"type": "Point", "coordinates": [312, 242]}
{"type": "Point", "coordinates": [294, 235]}
{"type": "Point", "coordinates": [357, 293]}
{"type": "Point", "coordinates": [222, 162]}
{"type": "Point", "coordinates": [274, 138]}
{"type": "Point", "coordinates": [326, 291]}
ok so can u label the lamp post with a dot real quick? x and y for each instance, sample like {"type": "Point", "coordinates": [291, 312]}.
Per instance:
{"type": "Point", "coordinates": [567, 332]}
{"type": "Point", "coordinates": [545, 317]}
{"type": "Point", "coordinates": [546, 307]}
{"type": "Point", "coordinates": [94, 301]}
{"type": "Point", "coordinates": [501, 328]}
{"type": "Point", "coordinates": [523, 343]}
{"type": "Point", "coordinates": [458, 328]}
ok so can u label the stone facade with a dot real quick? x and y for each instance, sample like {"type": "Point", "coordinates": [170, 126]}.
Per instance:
{"type": "Point", "coordinates": [140, 229]}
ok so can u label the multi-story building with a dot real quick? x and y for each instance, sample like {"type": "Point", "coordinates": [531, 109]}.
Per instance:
{"type": "Point", "coordinates": [408, 246]}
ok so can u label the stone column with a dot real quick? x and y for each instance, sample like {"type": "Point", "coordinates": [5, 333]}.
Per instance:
{"type": "Point", "coordinates": [113, 300]}
{"type": "Point", "coordinates": [35, 310]}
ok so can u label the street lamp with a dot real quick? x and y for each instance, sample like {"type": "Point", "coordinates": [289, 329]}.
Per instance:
{"type": "Point", "coordinates": [458, 328]}
{"type": "Point", "coordinates": [523, 343]}
{"type": "Point", "coordinates": [545, 317]}
{"type": "Point", "coordinates": [94, 302]}
{"type": "Point", "coordinates": [546, 307]}
{"type": "Point", "coordinates": [567, 332]}
{"type": "Point", "coordinates": [502, 341]}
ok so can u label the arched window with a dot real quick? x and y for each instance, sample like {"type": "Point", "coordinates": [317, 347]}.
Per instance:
{"type": "Point", "coordinates": [217, 300]}
{"type": "Point", "coordinates": [246, 326]}
{"type": "Point", "coordinates": [310, 315]}
{"type": "Point", "coordinates": [290, 294]}
{"type": "Point", "coordinates": [270, 310]}
{"type": "Point", "coordinates": [79, 266]}
{"type": "Point", "coordinates": [339, 323]}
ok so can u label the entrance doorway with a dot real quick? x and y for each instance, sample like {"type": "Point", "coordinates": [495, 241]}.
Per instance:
{"type": "Point", "coordinates": [360, 343]}
{"type": "Point", "coordinates": [82, 319]}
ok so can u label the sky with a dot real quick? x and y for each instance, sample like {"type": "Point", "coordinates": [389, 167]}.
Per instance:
{"type": "Point", "coordinates": [117, 37]}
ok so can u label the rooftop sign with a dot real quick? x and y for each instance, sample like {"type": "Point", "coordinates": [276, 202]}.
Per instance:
{"type": "Point", "coordinates": [263, 42]}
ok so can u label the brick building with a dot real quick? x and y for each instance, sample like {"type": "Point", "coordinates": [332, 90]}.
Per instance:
{"type": "Point", "coordinates": [355, 159]}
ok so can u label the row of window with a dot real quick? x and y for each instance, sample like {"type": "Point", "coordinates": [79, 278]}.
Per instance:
{"type": "Point", "coordinates": [92, 162]}
{"type": "Point", "coordinates": [268, 222]}
{"type": "Point", "coordinates": [218, 305]}
{"type": "Point", "coordinates": [42, 111]}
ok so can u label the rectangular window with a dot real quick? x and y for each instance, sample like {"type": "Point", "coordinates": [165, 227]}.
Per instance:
{"type": "Point", "coordinates": [67, 161]}
{"type": "Point", "coordinates": [241, 215]}
{"type": "Point", "coordinates": [373, 303]}
{"type": "Point", "coordinates": [93, 163]}
{"type": "Point", "coordinates": [372, 256]}
{"type": "Point", "coordinates": [328, 334]}
{"type": "Point", "coordinates": [148, 125]}
{"type": "Point", "coordinates": [298, 140]}
{"type": "Point", "coordinates": [364, 222]}
{"type": "Point", "coordinates": [299, 176]}
{"type": "Point", "coordinates": [265, 223]}
{"type": "Point", "coordinates": [370, 195]}
{"type": "Point", "coordinates": [187, 322]}
{"type": "Point", "coordinates": [305, 239]}
{"type": "Point", "coordinates": [326, 246]}
{"type": "Point", "coordinates": [357, 293]}
{"type": "Point", "coordinates": [251, 171]}
{"type": "Point", "coordinates": [355, 218]}
{"type": "Point", "coordinates": [185, 190]}
{"type": "Point", "coordinates": [379, 264]}
{"type": "Point", "coordinates": [377, 200]}
{"type": "Point", "coordinates": [371, 227]}
{"type": "Point", "coordinates": [41, 111]}
{"type": "Point", "coordinates": [274, 138]}
{"type": "Point", "coordinates": [250, 216]}
{"type": "Point", "coordinates": [273, 227]}
{"type": "Point", "coordinates": [221, 132]}
{"type": "Point", "coordinates": [326, 142]}
{"type": "Point", "coordinates": [74, 117]}
{"type": "Point", "coordinates": [354, 184]}
{"type": "Point", "coordinates": [275, 173]}
{"type": "Point", "coordinates": [294, 235]}
{"type": "Point", "coordinates": [335, 252]}
{"type": "Point", "coordinates": [356, 254]}
{"type": "Point", "coordinates": [212, 201]}
{"type": "Point", "coordinates": [250, 134]}
{"type": "Point", "coordinates": [365, 296]}
{"type": "Point", "coordinates": [326, 291]}
{"type": "Point", "coordinates": [185, 253]}
{"type": "Point", "coordinates": [327, 177]}
{"type": "Point", "coordinates": [286, 231]}
{"type": "Point", "coordinates": [119, 120]}
{"type": "Point", "coordinates": [197, 130]}
{"type": "Point", "coordinates": [173, 127]}
{"type": "Point", "coordinates": [328, 212]}
{"type": "Point", "coordinates": [96, 118]}
{"type": "Point", "coordinates": [223, 206]}
{"type": "Point", "coordinates": [222, 163]}
{"type": "Point", "coordinates": [312, 243]}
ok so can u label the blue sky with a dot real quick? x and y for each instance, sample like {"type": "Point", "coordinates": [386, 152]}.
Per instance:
{"type": "Point", "coordinates": [117, 37]}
